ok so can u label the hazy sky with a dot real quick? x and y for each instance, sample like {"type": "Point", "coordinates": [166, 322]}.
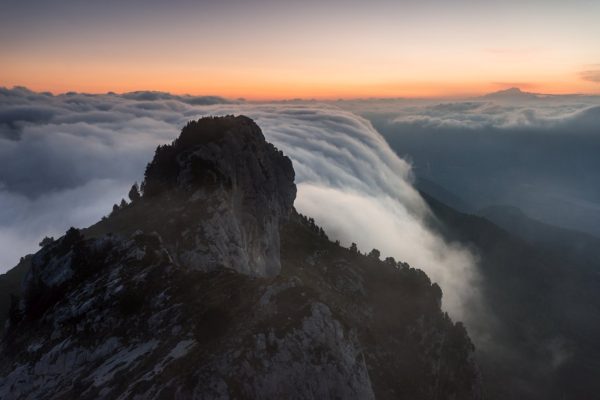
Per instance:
{"type": "Point", "coordinates": [326, 48]}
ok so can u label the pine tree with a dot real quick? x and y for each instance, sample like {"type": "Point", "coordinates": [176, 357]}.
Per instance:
{"type": "Point", "coordinates": [134, 193]}
{"type": "Point", "coordinates": [375, 254]}
{"type": "Point", "coordinates": [46, 241]}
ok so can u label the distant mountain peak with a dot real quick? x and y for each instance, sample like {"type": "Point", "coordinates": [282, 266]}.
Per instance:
{"type": "Point", "coordinates": [512, 90]}
{"type": "Point", "coordinates": [513, 93]}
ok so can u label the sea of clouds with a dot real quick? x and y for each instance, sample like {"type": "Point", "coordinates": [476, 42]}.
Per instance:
{"type": "Point", "coordinates": [66, 159]}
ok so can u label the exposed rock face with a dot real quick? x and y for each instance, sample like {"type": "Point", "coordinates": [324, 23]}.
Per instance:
{"type": "Point", "coordinates": [145, 312]}
{"type": "Point", "coordinates": [245, 183]}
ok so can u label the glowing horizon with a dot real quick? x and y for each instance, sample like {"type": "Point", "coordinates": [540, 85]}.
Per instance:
{"type": "Point", "coordinates": [428, 92]}
{"type": "Point", "coordinates": [267, 50]}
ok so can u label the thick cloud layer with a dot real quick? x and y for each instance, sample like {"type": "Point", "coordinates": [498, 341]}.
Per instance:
{"type": "Point", "coordinates": [64, 160]}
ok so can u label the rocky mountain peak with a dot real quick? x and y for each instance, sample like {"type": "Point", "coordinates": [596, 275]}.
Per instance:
{"type": "Point", "coordinates": [222, 152]}
{"type": "Point", "coordinates": [221, 182]}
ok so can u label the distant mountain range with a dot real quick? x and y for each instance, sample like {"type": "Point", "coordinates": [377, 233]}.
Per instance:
{"type": "Point", "coordinates": [515, 94]}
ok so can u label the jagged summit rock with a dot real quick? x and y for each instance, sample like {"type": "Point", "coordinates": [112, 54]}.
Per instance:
{"type": "Point", "coordinates": [228, 152]}
{"type": "Point", "coordinates": [211, 286]}
{"type": "Point", "coordinates": [229, 190]}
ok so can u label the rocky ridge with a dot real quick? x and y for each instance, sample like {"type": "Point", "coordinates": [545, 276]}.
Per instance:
{"type": "Point", "coordinates": [211, 286]}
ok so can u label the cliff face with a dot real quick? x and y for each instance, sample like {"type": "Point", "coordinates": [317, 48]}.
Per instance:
{"type": "Point", "coordinates": [212, 287]}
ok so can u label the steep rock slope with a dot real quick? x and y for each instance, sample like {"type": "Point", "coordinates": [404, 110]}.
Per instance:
{"type": "Point", "coordinates": [211, 286]}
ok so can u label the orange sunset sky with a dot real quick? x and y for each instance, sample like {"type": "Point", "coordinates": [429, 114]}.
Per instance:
{"type": "Point", "coordinates": [322, 49]}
